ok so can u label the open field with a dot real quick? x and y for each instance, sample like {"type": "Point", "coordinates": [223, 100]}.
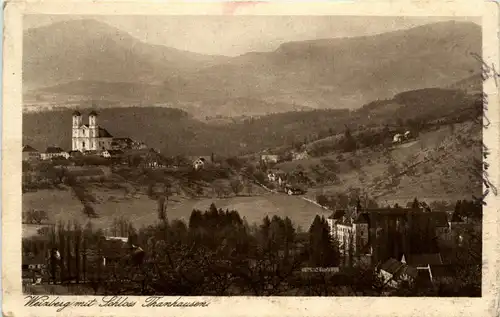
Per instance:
{"type": "Point", "coordinates": [110, 204]}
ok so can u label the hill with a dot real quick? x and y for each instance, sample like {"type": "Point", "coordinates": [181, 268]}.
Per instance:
{"type": "Point", "coordinates": [174, 131]}
{"type": "Point", "coordinates": [441, 164]}
{"type": "Point", "coordinates": [87, 60]}
{"type": "Point", "coordinates": [90, 50]}
{"type": "Point", "coordinates": [471, 85]}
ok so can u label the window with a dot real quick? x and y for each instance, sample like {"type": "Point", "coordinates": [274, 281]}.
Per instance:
{"type": "Point", "coordinates": [83, 144]}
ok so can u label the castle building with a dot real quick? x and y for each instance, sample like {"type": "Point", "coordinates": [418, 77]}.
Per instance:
{"type": "Point", "coordinates": [387, 232]}
{"type": "Point", "coordinates": [89, 137]}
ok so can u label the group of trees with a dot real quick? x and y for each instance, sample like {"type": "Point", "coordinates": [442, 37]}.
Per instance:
{"type": "Point", "coordinates": [34, 216]}
{"type": "Point", "coordinates": [343, 200]}
{"type": "Point", "coordinates": [217, 252]}
{"type": "Point", "coordinates": [468, 209]}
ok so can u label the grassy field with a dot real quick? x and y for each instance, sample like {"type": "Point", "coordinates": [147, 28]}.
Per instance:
{"type": "Point", "coordinates": [254, 209]}
{"type": "Point", "coordinates": [62, 205]}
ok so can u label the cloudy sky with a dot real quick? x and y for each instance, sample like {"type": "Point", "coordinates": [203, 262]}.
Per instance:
{"type": "Point", "coordinates": [235, 35]}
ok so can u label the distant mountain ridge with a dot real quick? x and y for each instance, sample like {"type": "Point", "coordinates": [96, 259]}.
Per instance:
{"type": "Point", "coordinates": [85, 60]}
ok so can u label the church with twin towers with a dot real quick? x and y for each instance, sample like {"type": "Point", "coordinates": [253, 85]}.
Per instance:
{"type": "Point", "coordinates": [89, 137]}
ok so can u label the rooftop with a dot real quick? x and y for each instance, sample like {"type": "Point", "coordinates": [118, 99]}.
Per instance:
{"type": "Point", "coordinates": [115, 152]}
{"type": "Point", "coordinates": [54, 149]}
{"type": "Point", "coordinates": [362, 218]}
{"type": "Point", "coordinates": [103, 133]}
{"type": "Point", "coordinates": [397, 268]}
{"type": "Point", "coordinates": [28, 148]}
{"type": "Point", "coordinates": [425, 259]}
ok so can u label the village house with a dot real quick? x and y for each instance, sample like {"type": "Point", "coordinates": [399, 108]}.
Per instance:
{"type": "Point", "coordinates": [424, 263]}
{"type": "Point", "coordinates": [394, 273]}
{"type": "Point", "coordinates": [277, 176]}
{"type": "Point", "coordinates": [400, 137]}
{"type": "Point", "coordinates": [75, 154]}
{"type": "Point", "coordinates": [199, 163]}
{"type": "Point", "coordinates": [269, 158]}
{"type": "Point", "coordinates": [442, 225]}
{"type": "Point", "coordinates": [112, 153]}
{"type": "Point", "coordinates": [299, 155]}
{"type": "Point", "coordinates": [54, 152]}
{"type": "Point", "coordinates": [91, 152]}
{"type": "Point", "coordinates": [145, 158]}
{"type": "Point", "coordinates": [33, 269]}
{"type": "Point", "coordinates": [140, 146]}
{"type": "Point", "coordinates": [122, 143]}
{"type": "Point", "coordinates": [114, 251]}
{"type": "Point", "coordinates": [30, 153]}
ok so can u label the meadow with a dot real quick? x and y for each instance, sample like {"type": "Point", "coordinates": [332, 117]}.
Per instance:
{"type": "Point", "coordinates": [141, 210]}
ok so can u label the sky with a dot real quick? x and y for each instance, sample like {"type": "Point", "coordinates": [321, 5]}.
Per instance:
{"type": "Point", "coordinates": [236, 35]}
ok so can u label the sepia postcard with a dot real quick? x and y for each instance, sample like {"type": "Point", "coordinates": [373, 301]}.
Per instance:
{"type": "Point", "coordinates": [250, 159]}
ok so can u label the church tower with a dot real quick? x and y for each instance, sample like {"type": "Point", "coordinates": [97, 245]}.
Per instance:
{"type": "Point", "coordinates": [77, 123]}
{"type": "Point", "coordinates": [93, 130]}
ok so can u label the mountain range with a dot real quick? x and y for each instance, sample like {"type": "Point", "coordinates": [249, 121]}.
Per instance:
{"type": "Point", "coordinates": [76, 63]}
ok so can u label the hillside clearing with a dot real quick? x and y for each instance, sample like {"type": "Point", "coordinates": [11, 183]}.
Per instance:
{"type": "Point", "coordinates": [438, 165]}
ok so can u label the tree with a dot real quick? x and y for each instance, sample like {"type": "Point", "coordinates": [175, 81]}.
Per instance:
{"type": "Point", "coordinates": [150, 190]}
{"type": "Point", "coordinates": [236, 186]}
{"type": "Point", "coordinates": [249, 187]}
{"type": "Point", "coordinates": [415, 204]}
{"type": "Point", "coordinates": [322, 199]}
{"type": "Point", "coordinates": [349, 142]}
{"type": "Point", "coordinates": [161, 208]}
{"type": "Point", "coordinates": [77, 243]}
{"type": "Point", "coordinates": [89, 211]}
{"type": "Point", "coordinates": [392, 169]}
{"type": "Point", "coordinates": [220, 187]}
{"type": "Point", "coordinates": [400, 122]}
{"type": "Point", "coordinates": [36, 216]}
{"type": "Point", "coordinates": [322, 250]}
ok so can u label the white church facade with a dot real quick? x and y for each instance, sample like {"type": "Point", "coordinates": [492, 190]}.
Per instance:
{"type": "Point", "coordinates": [89, 137]}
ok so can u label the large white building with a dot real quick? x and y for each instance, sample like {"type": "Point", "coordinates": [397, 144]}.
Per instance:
{"type": "Point", "coordinates": [89, 137]}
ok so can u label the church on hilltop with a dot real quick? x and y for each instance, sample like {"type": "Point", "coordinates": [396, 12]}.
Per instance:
{"type": "Point", "coordinates": [89, 137]}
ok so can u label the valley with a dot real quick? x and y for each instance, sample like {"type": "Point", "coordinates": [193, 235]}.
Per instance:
{"type": "Point", "coordinates": [311, 168]}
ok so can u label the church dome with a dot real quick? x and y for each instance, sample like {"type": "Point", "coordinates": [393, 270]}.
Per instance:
{"type": "Point", "coordinates": [93, 113]}
{"type": "Point", "coordinates": [77, 113]}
